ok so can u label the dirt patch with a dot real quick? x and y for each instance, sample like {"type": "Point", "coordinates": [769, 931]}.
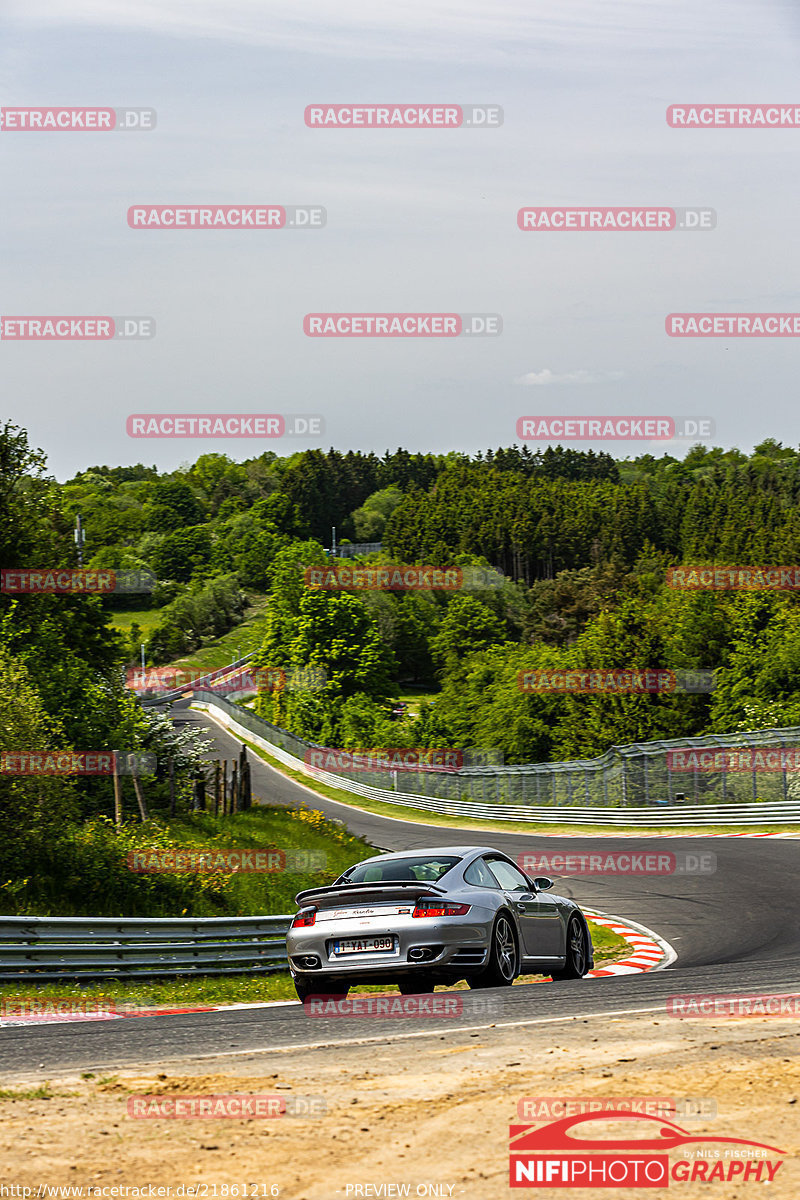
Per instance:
{"type": "Point", "coordinates": [430, 1113]}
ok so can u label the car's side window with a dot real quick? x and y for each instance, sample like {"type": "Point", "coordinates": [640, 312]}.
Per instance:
{"type": "Point", "coordinates": [508, 876]}
{"type": "Point", "coordinates": [479, 875]}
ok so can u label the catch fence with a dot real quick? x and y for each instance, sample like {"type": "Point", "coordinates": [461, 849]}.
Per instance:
{"type": "Point", "coordinates": [638, 783]}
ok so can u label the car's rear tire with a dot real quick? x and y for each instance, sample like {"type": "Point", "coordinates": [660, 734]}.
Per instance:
{"type": "Point", "coordinates": [417, 987]}
{"type": "Point", "coordinates": [503, 965]}
{"type": "Point", "coordinates": [576, 965]}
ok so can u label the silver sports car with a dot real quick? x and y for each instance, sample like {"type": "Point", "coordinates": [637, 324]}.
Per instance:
{"type": "Point", "coordinates": [421, 917]}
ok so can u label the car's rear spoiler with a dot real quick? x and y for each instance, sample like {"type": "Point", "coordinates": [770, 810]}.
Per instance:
{"type": "Point", "coordinates": [363, 891]}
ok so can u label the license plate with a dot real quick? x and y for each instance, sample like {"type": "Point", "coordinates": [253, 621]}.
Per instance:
{"type": "Point", "coordinates": [363, 945]}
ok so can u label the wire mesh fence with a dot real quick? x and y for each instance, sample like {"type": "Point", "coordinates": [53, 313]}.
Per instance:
{"type": "Point", "coordinates": [735, 769]}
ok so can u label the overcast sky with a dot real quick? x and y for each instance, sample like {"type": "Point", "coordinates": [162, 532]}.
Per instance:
{"type": "Point", "coordinates": [418, 220]}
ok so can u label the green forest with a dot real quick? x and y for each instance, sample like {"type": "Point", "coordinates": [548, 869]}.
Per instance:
{"type": "Point", "coordinates": [579, 544]}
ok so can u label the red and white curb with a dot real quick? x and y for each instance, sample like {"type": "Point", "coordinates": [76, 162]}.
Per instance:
{"type": "Point", "coordinates": [673, 833]}
{"type": "Point", "coordinates": [650, 951]}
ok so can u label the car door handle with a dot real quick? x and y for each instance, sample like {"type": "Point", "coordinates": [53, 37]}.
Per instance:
{"type": "Point", "coordinates": [525, 896]}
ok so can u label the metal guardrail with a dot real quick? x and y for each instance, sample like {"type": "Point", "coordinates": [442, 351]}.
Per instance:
{"type": "Point", "coordinates": [351, 549]}
{"type": "Point", "coordinates": [631, 785]}
{"type": "Point", "coordinates": [176, 693]}
{"type": "Point", "coordinates": [47, 948]}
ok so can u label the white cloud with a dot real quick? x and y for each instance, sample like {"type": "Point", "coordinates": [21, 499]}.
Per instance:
{"type": "Point", "coordinates": [546, 377]}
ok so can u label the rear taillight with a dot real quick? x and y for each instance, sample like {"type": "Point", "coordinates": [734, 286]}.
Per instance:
{"type": "Point", "coordinates": [306, 917]}
{"type": "Point", "coordinates": [433, 906]}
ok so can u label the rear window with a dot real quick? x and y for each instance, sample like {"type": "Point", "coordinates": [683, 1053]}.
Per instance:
{"type": "Point", "coordinates": [402, 870]}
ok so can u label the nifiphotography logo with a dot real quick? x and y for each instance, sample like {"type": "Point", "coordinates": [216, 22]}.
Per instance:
{"type": "Point", "coordinates": [560, 1154]}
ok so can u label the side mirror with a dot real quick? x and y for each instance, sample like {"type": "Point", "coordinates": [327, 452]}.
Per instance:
{"type": "Point", "coordinates": [542, 883]}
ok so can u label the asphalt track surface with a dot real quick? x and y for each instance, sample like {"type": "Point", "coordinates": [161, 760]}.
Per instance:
{"type": "Point", "coordinates": [735, 931]}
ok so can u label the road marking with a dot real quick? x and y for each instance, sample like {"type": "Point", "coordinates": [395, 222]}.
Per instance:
{"type": "Point", "coordinates": [401, 1037]}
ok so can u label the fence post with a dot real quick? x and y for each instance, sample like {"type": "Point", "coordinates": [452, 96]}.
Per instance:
{"type": "Point", "coordinates": [117, 793]}
{"type": "Point", "coordinates": [137, 787]}
{"type": "Point", "coordinates": [244, 782]}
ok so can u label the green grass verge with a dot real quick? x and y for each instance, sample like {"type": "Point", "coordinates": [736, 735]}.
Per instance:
{"type": "Point", "coordinates": [42, 1092]}
{"type": "Point", "coordinates": [414, 697]}
{"type": "Point", "coordinates": [90, 870]}
{"type": "Point", "coordinates": [233, 989]}
{"type": "Point", "coordinates": [123, 618]}
{"type": "Point", "coordinates": [242, 639]}
{"type": "Point", "coordinates": [400, 812]}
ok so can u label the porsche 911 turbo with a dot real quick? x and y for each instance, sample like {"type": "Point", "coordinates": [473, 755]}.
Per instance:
{"type": "Point", "coordinates": [418, 918]}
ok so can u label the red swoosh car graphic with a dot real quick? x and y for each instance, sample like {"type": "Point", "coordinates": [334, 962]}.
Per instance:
{"type": "Point", "coordinates": [557, 1136]}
